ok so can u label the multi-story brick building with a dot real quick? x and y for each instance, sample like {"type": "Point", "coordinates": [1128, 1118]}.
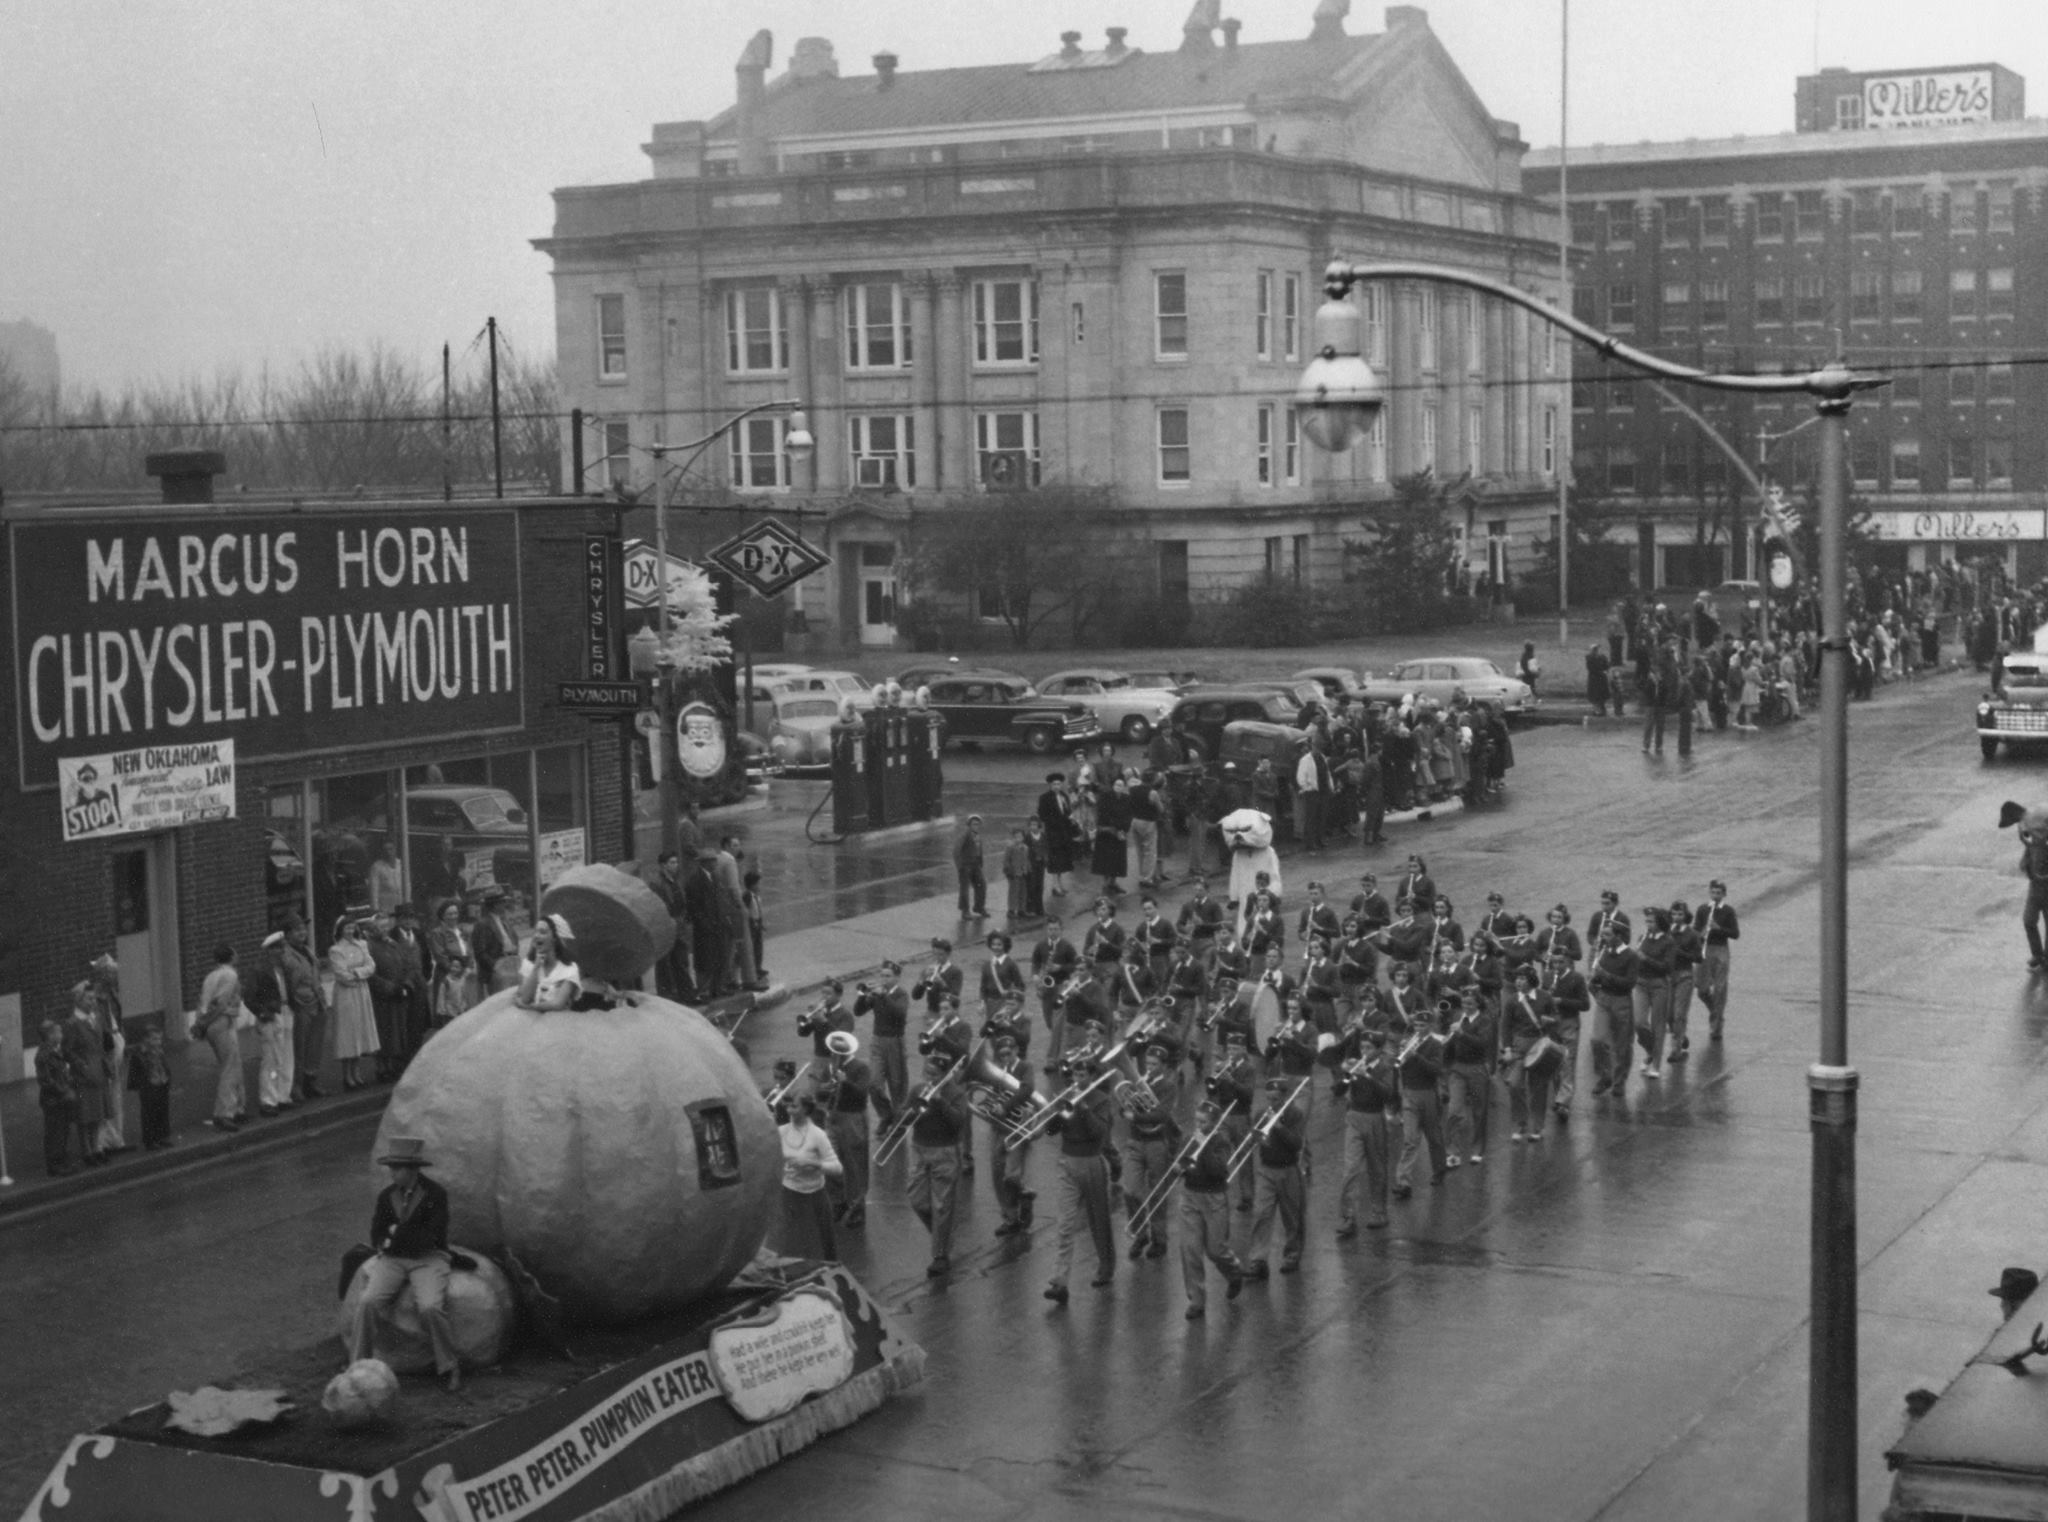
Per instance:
{"type": "Point", "coordinates": [222, 712]}
{"type": "Point", "coordinates": [1098, 267]}
{"type": "Point", "coordinates": [1902, 221]}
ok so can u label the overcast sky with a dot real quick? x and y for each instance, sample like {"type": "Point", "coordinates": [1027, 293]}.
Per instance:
{"type": "Point", "coordinates": [190, 185]}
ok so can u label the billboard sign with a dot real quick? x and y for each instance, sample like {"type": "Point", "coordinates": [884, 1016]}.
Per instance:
{"type": "Point", "coordinates": [158, 787]}
{"type": "Point", "coordinates": [288, 634]}
{"type": "Point", "coordinates": [1927, 100]}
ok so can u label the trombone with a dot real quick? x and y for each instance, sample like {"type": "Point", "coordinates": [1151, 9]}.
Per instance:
{"type": "Point", "coordinates": [1264, 1128]}
{"type": "Point", "coordinates": [897, 1132]}
{"type": "Point", "coordinates": [1064, 1102]}
{"type": "Point", "coordinates": [1182, 1163]}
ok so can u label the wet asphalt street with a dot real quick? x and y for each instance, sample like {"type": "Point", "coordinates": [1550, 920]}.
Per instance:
{"type": "Point", "coordinates": [1612, 1324]}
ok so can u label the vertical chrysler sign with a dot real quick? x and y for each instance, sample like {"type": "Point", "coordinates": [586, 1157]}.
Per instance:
{"type": "Point", "coordinates": [287, 634]}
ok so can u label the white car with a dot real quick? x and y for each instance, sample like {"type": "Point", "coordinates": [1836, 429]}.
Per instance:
{"type": "Point", "coordinates": [844, 686]}
{"type": "Point", "coordinates": [798, 727]}
{"type": "Point", "coordinates": [1442, 677]}
{"type": "Point", "coordinates": [1119, 706]}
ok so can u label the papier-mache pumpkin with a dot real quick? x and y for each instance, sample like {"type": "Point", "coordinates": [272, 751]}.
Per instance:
{"type": "Point", "coordinates": [621, 1151]}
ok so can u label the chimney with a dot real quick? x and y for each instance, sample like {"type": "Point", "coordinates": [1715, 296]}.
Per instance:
{"type": "Point", "coordinates": [1329, 21]}
{"type": "Point", "coordinates": [752, 72]}
{"type": "Point", "coordinates": [677, 150]}
{"type": "Point", "coordinates": [813, 60]}
{"type": "Point", "coordinates": [1231, 27]}
{"type": "Point", "coordinates": [186, 475]}
{"type": "Point", "coordinates": [1116, 48]}
{"type": "Point", "coordinates": [1406, 15]}
{"type": "Point", "coordinates": [885, 70]}
{"type": "Point", "coordinates": [1070, 45]}
{"type": "Point", "coordinates": [1198, 32]}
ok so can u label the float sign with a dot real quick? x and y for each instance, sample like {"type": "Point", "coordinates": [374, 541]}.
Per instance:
{"type": "Point", "coordinates": [158, 787]}
{"type": "Point", "coordinates": [288, 634]}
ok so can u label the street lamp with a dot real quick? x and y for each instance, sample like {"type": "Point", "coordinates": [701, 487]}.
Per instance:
{"type": "Point", "coordinates": [797, 443]}
{"type": "Point", "coordinates": [1338, 395]}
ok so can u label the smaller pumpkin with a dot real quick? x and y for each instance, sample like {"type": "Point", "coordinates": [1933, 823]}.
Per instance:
{"type": "Point", "coordinates": [364, 1392]}
{"type": "Point", "coordinates": [481, 1315]}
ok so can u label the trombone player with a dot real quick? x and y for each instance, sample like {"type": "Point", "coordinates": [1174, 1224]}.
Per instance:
{"type": "Point", "coordinates": [1282, 1136]}
{"type": "Point", "coordinates": [1083, 1126]}
{"type": "Point", "coordinates": [1147, 1104]}
{"type": "Point", "coordinates": [843, 1097]}
{"type": "Point", "coordinates": [1372, 1098]}
{"type": "Point", "coordinates": [1205, 1212]}
{"type": "Point", "coordinates": [935, 1135]}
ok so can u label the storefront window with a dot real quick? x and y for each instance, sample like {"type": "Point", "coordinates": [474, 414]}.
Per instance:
{"type": "Point", "coordinates": [350, 868]}
{"type": "Point", "coordinates": [564, 818]}
{"type": "Point", "coordinates": [284, 863]}
{"type": "Point", "coordinates": [468, 827]}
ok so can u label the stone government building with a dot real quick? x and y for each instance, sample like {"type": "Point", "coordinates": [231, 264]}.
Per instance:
{"type": "Point", "coordinates": [1099, 267]}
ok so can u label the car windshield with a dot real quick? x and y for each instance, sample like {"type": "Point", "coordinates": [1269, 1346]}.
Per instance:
{"type": "Point", "coordinates": [1281, 707]}
{"type": "Point", "coordinates": [808, 708]}
{"type": "Point", "coordinates": [2025, 676]}
{"type": "Point", "coordinates": [1474, 667]}
{"type": "Point", "coordinates": [489, 810]}
{"type": "Point", "coordinates": [850, 683]}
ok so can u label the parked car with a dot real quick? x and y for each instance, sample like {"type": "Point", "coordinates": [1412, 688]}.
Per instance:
{"type": "Point", "coordinates": [1440, 677]}
{"type": "Point", "coordinates": [1303, 692]}
{"type": "Point", "coordinates": [845, 686]}
{"type": "Point", "coordinates": [775, 671]}
{"type": "Point", "coordinates": [1121, 707]}
{"type": "Point", "coordinates": [488, 825]}
{"type": "Point", "coordinates": [1336, 681]}
{"type": "Point", "coordinates": [798, 726]}
{"type": "Point", "coordinates": [2016, 711]}
{"type": "Point", "coordinates": [1203, 713]}
{"type": "Point", "coordinates": [1163, 680]}
{"type": "Point", "coordinates": [996, 705]}
{"type": "Point", "coordinates": [913, 677]}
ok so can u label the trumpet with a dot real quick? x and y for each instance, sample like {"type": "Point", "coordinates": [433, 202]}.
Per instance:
{"type": "Point", "coordinates": [1264, 1128]}
{"type": "Point", "coordinates": [1364, 1065]}
{"type": "Point", "coordinates": [898, 1130]}
{"type": "Point", "coordinates": [1415, 1043]}
{"type": "Point", "coordinates": [807, 1022]}
{"type": "Point", "coordinates": [1183, 1161]}
{"type": "Point", "coordinates": [928, 1038]}
{"type": "Point", "coordinates": [777, 1095]}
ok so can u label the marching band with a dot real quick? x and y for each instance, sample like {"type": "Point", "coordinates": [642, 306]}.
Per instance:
{"type": "Point", "coordinates": [1179, 1062]}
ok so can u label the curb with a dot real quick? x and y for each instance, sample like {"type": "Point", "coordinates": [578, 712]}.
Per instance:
{"type": "Point", "coordinates": [26, 1199]}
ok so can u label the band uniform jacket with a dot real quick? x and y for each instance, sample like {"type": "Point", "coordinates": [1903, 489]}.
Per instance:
{"type": "Point", "coordinates": [1319, 919]}
{"type": "Point", "coordinates": [1568, 992]}
{"type": "Point", "coordinates": [1596, 927]}
{"type": "Point", "coordinates": [1614, 971]}
{"type": "Point", "coordinates": [1001, 978]}
{"type": "Point", "coordinates": [422, 1232]}
{"type": "Point", "coordinates": [1105, 939]}
{"type": "Point", "coordinates": [1201, 918]}
{"type": "Point", "coordinates": [1158, 936]}
{"type": "Point", "coordinates": [889, 1006]}
{"type": "Point", "coordinates": [1057, 958]}
{"type": "Point", "coordinates": [1717, 922]}
{"type": "Point", "coordinates": [937, 982]}
{"type": "Point", "coordinates": [1373, 911]}
{"type": "Point", "coordinates": [1563, 938]}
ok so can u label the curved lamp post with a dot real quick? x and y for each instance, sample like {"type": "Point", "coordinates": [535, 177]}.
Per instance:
{"type": "Point", "coordinates": [1338, 395]}
{"type": "Point", "coordinates": [797, 444]}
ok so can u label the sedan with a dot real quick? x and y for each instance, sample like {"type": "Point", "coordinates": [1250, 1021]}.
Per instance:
{"type": "Point", "coordinates": [1336, 681]}
{"type": "Point", "coordinates": [1121, 707]}
{"type": "Point", "coordinates": [1203, 713]}
{"type": "Point", "coordinates": [993, 705]}
{"type": "Point", "coordinates": [799, 728]}
{"type": "Point", "coordinates": [1442, 677]}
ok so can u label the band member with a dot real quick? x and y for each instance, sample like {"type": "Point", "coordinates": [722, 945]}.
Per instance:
{"type": "Point", "coordinates": [1609, 913]}
{"type": "Point", "coordinates": [1002, 979]}
{"type": "Point", "coordinates": [1148, 1105]}
{"type": "Point", "coordinates": [935, 1140]}
{"type": "Point", "coordinates": [843, 1096]}
{"type": "Point", "coordinates": [1231, 1086]}
{"type": "Point", "coordinates": [1054, 961]}
{"type": "Point", "coordinates": [1557, 934]}
{"type": "Point", "coordinates": [1420, 1064]}
{"type": "Point", "coordinates": [1492, 960]}
{"type": "Point", "coordinates": [1529, 1017]}
{"type": "Point", "coordinates": [1357, 969]}
{"type": "Point", "coordinates": [1201, 917]}
{"type": "Point", "coordinates": [1231, 1010]}
{"type": "Point", "coordinates": [1187, 984]}
{"type": "Point", "coordinates": [1134, 985]}
{"type": "Point", "coordinates": [947, 1031]}
{"type": "Point", "coordinates": [1291, 1054]}
{"type": "Point", "coordinates": [1317, 918]}
{"type": "Point", "coordinates": [941, 978]}
{"type": "Point", "coordinates": [1083, 1129]}
{"type": "Point", "coordinates": [1570, 998]}
{"type": "Point", "coordinates": [1274, 976]}
{"type": "Point", "coordinates": [1105, 936]}
{"type": "Point", "coordinates": [1205, 1214]}
{"type": "Point", "coordinates": [1007, 1165]}
{"type": "Point", "coordinates": [1280, 1160]}
{"type": "Point", "coordinates": [1229, 959]}
{"type": "Point", "coordinates": [1449, 977]}
{"type": "Point", "coordinates": [1444, 926]}
{"type": "Point", "coordinates": [1416, 884]}
{"type": "Point", "coordinates": [1688, 949]}
{"type": "Point", "coordinates": [1264, 930]}
{"type": "Point", "coordinates": [1405, 1004]}
{"type": "Point", "coordinates": [1613, 982]}
{"type": "Point", "coordinates": [1405, 942]}
{"type": "Point", "coordinates": [1371, 906]}
{"type": "Point", "coordinates": [1158, 938]}
{"type": "Point", "coordinates": [1656, 955]}
{"type": "Point", "coordinates": [889, 1004]}
{"type": "Point", "coordinates": [1717, 923]}
{"type": "Point", "coordinates": [827, 1016]}
{"type": "Point", "coordinates": [1496, 921]}
{"type": "Point", "coordinates": [1321, 985]}
{"type": "Point", "coordinates": [1372, 1098]}
{"type": "Point", "coordinates": [1468, 1059]}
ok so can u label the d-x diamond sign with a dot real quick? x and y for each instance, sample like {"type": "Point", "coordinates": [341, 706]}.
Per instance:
{"type": "Point", "coordinates": [768, 558]}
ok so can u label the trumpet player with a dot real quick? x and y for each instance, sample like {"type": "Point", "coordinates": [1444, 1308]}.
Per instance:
{"type": "Point", "coordinates": [941, 978]}
{"type": "Point", "coordinates": [935, 1138]}
{"type": "Point", "coordinates": [1007, 1020]}
{"type": "Point", "coordinates": [1083, 1127]}
{"type": "Point", "coordinates": [1468, 1059]}
{"type": "Point", "coordinates": [1205, 1212]}
{"type": "Point", "coordinates": [1054, 961]}
{"type": "Point", "coordinates": [843, 1096]}
{"type": "Point", "coordinates": [1419, 1064]}
{"type": "Point", "coordinates": [1280, 1164]}
{"type": "Point", "coordinates": [1006, 1168]}
{"type": "Point", "coordinates": [1496, 921]}
{"type": "Point", "coordinates": [889, 1005]}
{"type": "Point", "coordinates": [825, 1017]}
{"type": "Point", "coordinates": [1002, 979]}
{"type": "Point", "coordinates": [1148, 1103]}
{"type": "Point", "coordinates": [1372, 1098]}
{"type": "Point", "coordinates": [1405, 942]}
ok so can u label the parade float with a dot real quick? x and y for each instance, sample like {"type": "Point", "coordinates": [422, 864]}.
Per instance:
{"type": "Point", "coordinates": [628, 1348]}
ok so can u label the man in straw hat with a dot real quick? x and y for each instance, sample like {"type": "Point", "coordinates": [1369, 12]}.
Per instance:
{"type": "Point", "coordinates": [843, 1095]}
{"type": "Point", "coordinates": [409, 1229]}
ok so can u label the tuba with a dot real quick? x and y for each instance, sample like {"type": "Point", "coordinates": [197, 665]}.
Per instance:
{"type": "Point", "coordinates": [997, 1096]}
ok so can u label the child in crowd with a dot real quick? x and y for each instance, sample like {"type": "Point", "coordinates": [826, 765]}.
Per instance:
{"type": "Point", "coordinates": [149, 1074]}
{"type": "Point", "coordinates": [1016, 876]}
{"type": "Point", "coordinates": [750, 904]}
{"type": "Point", "coordinates": [59, 1097]}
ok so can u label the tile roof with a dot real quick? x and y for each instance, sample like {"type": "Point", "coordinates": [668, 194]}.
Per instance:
{"type": "Point", "coordinates": [1217, 77]}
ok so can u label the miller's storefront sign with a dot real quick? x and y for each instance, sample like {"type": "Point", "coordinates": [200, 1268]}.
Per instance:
{"type": "Point", "coordinates": [285, 635]}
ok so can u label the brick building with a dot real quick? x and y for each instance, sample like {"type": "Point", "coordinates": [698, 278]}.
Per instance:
{"type": "Point", "coordinates": [1905, 218]}
{"type": "Point", "coordinates": [342, 675]}
{"type": "Point", "coordinates": [1095, 267]}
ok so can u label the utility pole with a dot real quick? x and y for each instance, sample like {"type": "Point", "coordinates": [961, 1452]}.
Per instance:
{"type": "Point", "coordinates": [497, 431]}
{"type": "Point", "coordinates": [447, 434]}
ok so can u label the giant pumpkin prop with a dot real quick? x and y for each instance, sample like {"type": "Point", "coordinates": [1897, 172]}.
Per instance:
{"type": "Point", "coordinates": [622, 1154]}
